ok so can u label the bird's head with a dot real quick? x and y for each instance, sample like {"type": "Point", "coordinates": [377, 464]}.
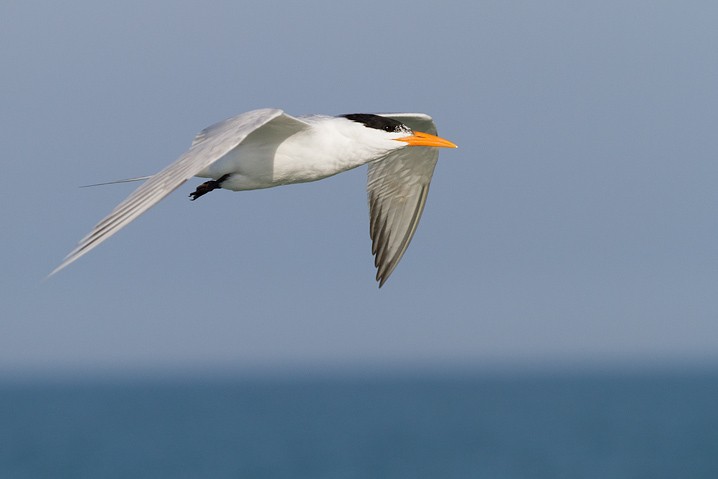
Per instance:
{"type": "Point", "coordinates": [397, 131]}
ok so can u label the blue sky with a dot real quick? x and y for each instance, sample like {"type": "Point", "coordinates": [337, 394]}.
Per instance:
{"type": "Point", "coordinates": [576, 222]}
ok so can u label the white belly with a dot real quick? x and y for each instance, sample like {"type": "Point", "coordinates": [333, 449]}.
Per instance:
{"type": "Point", "coordinates": [300, 158]}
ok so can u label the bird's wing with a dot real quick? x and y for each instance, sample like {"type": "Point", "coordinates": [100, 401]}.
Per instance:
{"type": "Point", "coordinates": [209, 145]}
{"type": "Point", "coordinates": [397, 189]}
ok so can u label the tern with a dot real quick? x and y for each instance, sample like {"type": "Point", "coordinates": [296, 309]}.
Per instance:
{"type": "Point", "coordinates": [266, 148]}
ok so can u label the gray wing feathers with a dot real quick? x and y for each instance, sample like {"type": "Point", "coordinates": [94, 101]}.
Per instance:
{"type": "Point", "coordinates": [209, 145]}
{"type": "Point", "coordinates": [397, 190]}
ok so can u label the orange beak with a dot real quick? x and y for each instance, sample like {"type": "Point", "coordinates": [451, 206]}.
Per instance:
{"type": "Point", "coordinates": [424, 139]}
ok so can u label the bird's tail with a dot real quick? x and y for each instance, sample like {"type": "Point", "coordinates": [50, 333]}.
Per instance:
{"type": "Point", "coordinates": [127, 180]}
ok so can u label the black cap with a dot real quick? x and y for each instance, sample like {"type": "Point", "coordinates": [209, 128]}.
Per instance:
{"type": "Point", "coordinates": [377, 122]}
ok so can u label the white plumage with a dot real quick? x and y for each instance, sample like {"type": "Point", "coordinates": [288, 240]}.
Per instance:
{"type": "Point", "coordinates": [266, 148]}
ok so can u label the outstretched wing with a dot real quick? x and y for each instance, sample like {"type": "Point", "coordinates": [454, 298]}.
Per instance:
{"type": "Point", "coordinates": [397, 189]}
{"type": "Point", "coordinates": [210, 145]}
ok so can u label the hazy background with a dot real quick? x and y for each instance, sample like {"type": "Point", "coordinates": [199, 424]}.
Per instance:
{"type": "Point", "coordinates": [575, 224]}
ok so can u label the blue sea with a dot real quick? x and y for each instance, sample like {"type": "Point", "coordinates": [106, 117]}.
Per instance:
{"type": "Point", "coordinates": [501, 425]}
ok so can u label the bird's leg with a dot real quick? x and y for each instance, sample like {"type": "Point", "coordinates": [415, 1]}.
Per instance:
{"type": "Point", "coordinates": [208, 186]}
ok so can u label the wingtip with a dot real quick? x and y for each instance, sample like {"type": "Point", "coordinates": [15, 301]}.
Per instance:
{"type": "Point", "coordinates": [67, 261]}
{"type": "Point", "coordinates": [56, 270]}
{"type": "Point", "coordinates": [50, 275]}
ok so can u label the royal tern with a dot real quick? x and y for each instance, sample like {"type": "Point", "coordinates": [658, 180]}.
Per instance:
{"type": "Point", "coordinates": [266, 148]}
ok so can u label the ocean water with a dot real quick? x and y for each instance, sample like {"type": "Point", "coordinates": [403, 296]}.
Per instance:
{"type": "Point", "coordinates": [560, 425]}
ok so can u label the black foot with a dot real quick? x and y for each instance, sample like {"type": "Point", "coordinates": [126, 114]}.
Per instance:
{"type": "Point", "coordinates": [206, 187]}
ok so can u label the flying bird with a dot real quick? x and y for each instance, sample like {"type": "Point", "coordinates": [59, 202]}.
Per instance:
{"type": "Point", "coordinates": [266, 148]}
